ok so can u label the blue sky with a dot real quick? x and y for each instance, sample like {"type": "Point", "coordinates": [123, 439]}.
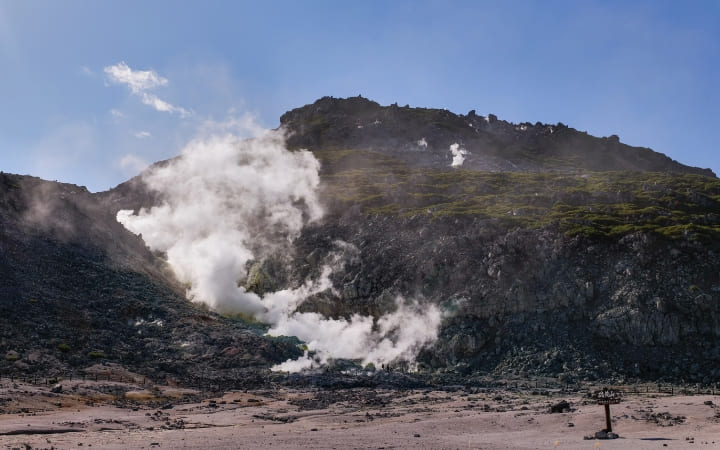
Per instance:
{"type": "Point", "coordinates": [644, 70]}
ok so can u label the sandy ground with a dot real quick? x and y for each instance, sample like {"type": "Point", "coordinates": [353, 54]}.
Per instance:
{"type": "Point", "coordinates": [92, 414]}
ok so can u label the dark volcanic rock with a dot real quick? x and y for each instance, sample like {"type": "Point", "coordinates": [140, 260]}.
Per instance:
{"type": "Point", "coordinates": [536, 302]}
{"type": "Point", "coordinates": [77, 288]}
{"type": "Point", "coordinates": [422, 136]}
{"type": "Point", "coordinates": [560, 407]}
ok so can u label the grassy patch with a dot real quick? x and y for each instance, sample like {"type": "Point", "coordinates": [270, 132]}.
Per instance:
{"type": "Point", "coordinates": [64, 348]}
{"type": "Point", "coordinates": [598, 204]}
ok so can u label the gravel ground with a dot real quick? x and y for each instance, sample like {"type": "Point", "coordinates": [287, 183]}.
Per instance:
{"type": "Point", "coordinates": [112, 415]}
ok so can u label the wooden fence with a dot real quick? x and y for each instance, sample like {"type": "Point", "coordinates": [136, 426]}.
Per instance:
{"type": "Point", "coordinates": [543, 386]}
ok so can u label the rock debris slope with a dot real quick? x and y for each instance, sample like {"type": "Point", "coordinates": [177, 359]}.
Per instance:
{"type": "Point", "coordinates": [76, 288]}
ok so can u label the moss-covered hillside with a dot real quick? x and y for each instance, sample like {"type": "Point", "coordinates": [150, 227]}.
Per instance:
{"type": "Point", "coordinates": [595, 204]}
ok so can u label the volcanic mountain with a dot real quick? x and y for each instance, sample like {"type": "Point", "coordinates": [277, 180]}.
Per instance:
{"type": "Point", "coordinates": [550, 252]}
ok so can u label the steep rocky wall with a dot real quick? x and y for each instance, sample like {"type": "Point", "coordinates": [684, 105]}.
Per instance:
{"type": "Point", "coordinates": [534, 302]}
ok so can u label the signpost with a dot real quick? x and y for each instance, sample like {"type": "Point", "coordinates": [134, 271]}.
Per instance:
{"type": "Point", "coordinates": [607, 397]}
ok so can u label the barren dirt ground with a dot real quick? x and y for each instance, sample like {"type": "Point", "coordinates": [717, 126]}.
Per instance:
{"type": "Point", "coordinates": [91, 414]}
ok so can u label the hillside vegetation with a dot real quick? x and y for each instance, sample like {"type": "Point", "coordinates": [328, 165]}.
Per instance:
{"type": "Point", "coordinates": [594, 204]}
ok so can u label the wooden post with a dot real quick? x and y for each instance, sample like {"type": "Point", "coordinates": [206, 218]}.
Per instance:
{"type": "Point", "coordinates": [608, 422]}
{"type": "Point", "coordinates": [606, 397]}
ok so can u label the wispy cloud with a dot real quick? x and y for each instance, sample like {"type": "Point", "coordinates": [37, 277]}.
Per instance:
{"type": "Point", "coordinates": [162, 105]}
{"type": "Point", "coordinates": [133, 163]}
{"type": "Point", "coordinates": [57, 155]}
{"type": "Point", "coordinates": [245, 126]}
{"type": "Point", "coordinates": [116, 113]}
{"type": "Point", "coordinates": [142, 134]}
{"type": "Point", "coordinates": [85, 70]}
{"type": "Point", "coordinates": [140, 82]}
{"type": "Point", "coordinates": [137, 80]}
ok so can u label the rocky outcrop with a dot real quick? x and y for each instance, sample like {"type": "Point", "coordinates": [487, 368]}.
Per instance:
{"type": "Point", "coordinates": [422, 137]}
{"type": "Point", "coordinates": [527, 297]}
{"type": "Point", "coordinates": [528, 302]}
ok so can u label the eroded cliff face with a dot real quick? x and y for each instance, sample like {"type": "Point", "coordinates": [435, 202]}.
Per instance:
{"type": "Point", "coordinates": [546, 263]}
{"type": "Point", "coordinates": [535, 302]}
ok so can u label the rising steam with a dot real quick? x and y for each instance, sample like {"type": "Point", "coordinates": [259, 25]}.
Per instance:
{"type": "Point", "coordinates": [397, 335]}
{"type": "Point", "coordinates": [458, 155]}
{"type": "Point", "coordinates": [228, 201]}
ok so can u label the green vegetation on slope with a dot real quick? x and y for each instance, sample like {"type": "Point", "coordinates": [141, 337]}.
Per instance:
{"type": "Point", "coordinates": [597, 204]}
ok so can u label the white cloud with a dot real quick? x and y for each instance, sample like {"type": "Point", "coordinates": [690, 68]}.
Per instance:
{"type": "Point", "coordinates": [116, 113]}
{"type": "Point", "coordinates": [141, 81]}
{"type": "Point", "coordinates": [142, 134]}
{"type": "Point", "coordinates": [87, 71]}
{"type": "Point", "coordinates": [133, 163]}
{"type": "Point", "coordinates": [137, 80]}
{"type": "Point", "coordinates": [162, 105]}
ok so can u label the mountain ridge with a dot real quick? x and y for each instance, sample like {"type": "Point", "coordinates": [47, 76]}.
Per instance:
{"type": "Point", "coordinates": [422, 136]}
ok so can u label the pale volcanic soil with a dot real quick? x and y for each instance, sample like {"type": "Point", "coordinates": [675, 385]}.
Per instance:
{"type": "Point", "coordinates": [107, 415]}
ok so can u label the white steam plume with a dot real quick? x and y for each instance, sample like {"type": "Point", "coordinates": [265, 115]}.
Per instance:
{"type": "Point", "coordinates": [458, 155]}
{"type": "Point", "coordinates": [224, 198]}
{"type": "Point", "coordinates": [227, 201]}
{"type": "Point", "coordinates": [397, 335]}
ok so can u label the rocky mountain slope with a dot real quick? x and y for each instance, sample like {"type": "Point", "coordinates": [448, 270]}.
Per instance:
{"type": "Point", "coordinates": [76, 288]}
{"type": "Point", "coordinates": [552, 265]}
{"type": "Point", "coordinates": [551, 253]}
